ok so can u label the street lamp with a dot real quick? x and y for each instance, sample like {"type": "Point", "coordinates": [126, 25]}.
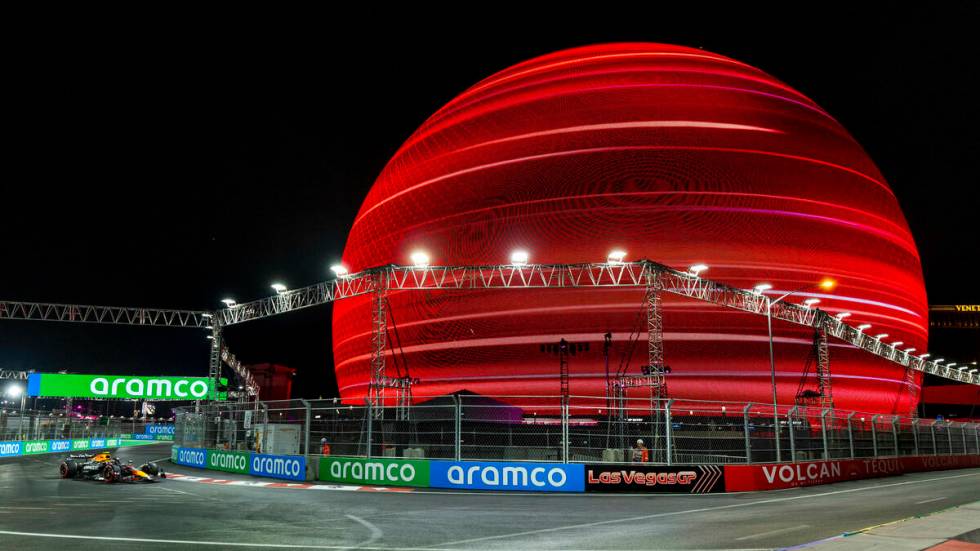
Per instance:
{"type": "Point", "coordinates": [826, 284]}
{"type": "Point", "coordinates": [419, 259]}
{"type": "Point", "coordinates": [697, 269]}
{"type": "Point", "coordinates": [864, 326]}
{"type": "Point", "coordinates": [616, 256]}
{"type": "Point", "coordinates": [17, 391]}
{"type": "Point", "coordinates": [843, 315]}
{"type": "Point", "coordinates": [229, 302]}
{"type": "Point", "coordinates": [518, 258]}
{"type": "Point", "coordinates": [339, 270]}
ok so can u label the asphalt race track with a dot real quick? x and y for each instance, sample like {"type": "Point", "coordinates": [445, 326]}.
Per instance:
{"type": "Point", "coordinates": [36, 504]}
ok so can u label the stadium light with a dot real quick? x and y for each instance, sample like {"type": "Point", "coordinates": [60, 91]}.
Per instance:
{"type": "Point", "coordinates": [880, 336]}
{"type": "Point", "coordinates": [926, 355]}
{"type": "Point", "coordinates": [338, 270]}
{"type": "Point", "coordinates": [14, 391]}
{"type": "Point", "coordinates": [229, 302]}
{"type": "Point", "coordinates": [419, 259]}
{"type": "Point", "coordinates": [910, 350]}
{"type": "Point", "coordinates": [205, 315]}
{"type": "Point", "coordinates": [843, 315]}
{"type": "Point", "coordinates": [760, 288]}
{"type": "Point", "coordinates": [827, 284]}
{"type": "Point", "coordinates": [961, 368]}
{"type": "Point", "coordinates": [811, 301]}
{"type": "Point", "coordinates": [896, 344]}
{"type": "Point", "coordinates": [616, 256]}
{"type": "Point", "coordinates": [279, 288]}
{"type": "Point", "coordinates": [951, 365]}
{"type": "Point", "coordinates": [864, 326]}
{"type": "Point", "coordinates": [697, 269]}
{"type": "Point", "coordinates": [518, 258]}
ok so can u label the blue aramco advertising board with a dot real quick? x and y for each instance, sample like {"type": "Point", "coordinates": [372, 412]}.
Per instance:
{"type": "Point", "coordinates": [289, 467]}
{"type": "Point", "coordinates": [502, 475]}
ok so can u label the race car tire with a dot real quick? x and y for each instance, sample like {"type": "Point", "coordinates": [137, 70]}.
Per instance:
{"type": "Point", "coordinates": [150, 469]}
{"type": "Point", "coordinates": [109, 474]}
{"type": "Point", "coordinates": [68, 469]}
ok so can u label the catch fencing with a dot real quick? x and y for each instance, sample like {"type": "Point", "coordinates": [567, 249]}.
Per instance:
{"type": "Point", "coordinates": [48, 425]}
{"type": "Point", "coordinates": [583, 429]}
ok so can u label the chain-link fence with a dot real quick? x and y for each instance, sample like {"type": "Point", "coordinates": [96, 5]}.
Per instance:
{"type": "Point", "coordinates": [583, 429]}
{"type": "Point", "coordinates": [55, 425]}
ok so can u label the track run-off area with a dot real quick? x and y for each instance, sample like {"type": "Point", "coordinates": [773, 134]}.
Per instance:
{"type": "Point", "coordinates": [39, 510]}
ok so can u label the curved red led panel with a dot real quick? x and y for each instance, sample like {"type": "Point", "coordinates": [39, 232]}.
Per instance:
{"type": "Point", "coordinates": [670, 153]}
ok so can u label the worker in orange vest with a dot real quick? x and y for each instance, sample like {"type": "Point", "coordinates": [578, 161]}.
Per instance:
{"type": "Point", "coordinates": [324, 447]}
{"type": "Point", "coordinates": [640, 453]}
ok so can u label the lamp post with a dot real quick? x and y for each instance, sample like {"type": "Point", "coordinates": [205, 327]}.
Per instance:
{"type": "Point", "coordinates": [827, 284]}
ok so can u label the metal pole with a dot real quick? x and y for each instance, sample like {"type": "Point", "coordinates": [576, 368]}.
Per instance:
{"type": "Point", "coordinates": [949, 436]}
{"type": "Point", "coordinates": [306, 431]}
{"type": "Point", "coordinates": [932, 429]}
{"type": "Point", "coordinates": [792, 436]}
{"type": "Point", "coordinates": [895, 434]}
{"type": "Point", "coordinates": [458, 430]}
{"type": "Point", "coordinates": [669, 433]}
{"type": "Point", "coordinates": [874, 434]}
{"type": "Point", "coordinates": [564, 430]}
{"type": "Point", "coordinates": [772, 373]}
{"type": "Point", "coordinates": [850, 434]}
{"type": "Point", "coordinates": [823, 428]}
{"type": "Point", "coordinates": [915, 434]}
{"type": "Point", "coordinates": [745, 428]}
{"type": "Point", "coordinates": [976, 434]}
{"type": "Point", "coordinates": [370, 425]}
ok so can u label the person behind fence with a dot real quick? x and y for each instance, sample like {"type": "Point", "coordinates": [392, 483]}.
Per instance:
{"type": "Point", "coordinates": [324, 447]}
{"type": "Point", "coordinates": [640, 452]}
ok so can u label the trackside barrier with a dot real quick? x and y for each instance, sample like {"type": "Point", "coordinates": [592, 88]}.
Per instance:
{"type": "Point", "coordinates": [745, 478]}
{"type": "Point", "coordinates": [37, 447]}
{"type": "Point", "coordinates": [381, 472]}
{"type": "Point", "coordinates": [286, 467]}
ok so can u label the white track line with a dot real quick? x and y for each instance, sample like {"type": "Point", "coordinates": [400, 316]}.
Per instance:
{"type": "Point", "coordinates": [699, 510]}
{"type": "Point", "coordinates": [929, 500]}
{"type": "Point", "coordinates": [376, 532]}
{"type": "Point", "coordinates": [773, 532]}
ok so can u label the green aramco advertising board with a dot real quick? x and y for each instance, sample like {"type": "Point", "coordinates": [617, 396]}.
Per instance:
{"type": "Point", "coordinates": [57, 385]}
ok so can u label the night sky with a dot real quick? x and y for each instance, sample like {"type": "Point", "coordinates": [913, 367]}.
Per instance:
{"type": "Point", "coordinates": [174, 166]}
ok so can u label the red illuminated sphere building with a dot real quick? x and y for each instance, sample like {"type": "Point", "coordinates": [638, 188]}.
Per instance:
{"type": "Point", "coordinates": [674, 154]}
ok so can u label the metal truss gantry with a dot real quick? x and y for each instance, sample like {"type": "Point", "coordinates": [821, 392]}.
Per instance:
{"type": "Point", "coordinates": [639, 274]}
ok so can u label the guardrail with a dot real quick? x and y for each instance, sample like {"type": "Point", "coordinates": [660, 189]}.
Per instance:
{"type": "Point", "coordinates": [14, 448]}
{"type": "Point", "coordinates": [56, 425]}
{"type": "Point", "coordinates": [533, 428]}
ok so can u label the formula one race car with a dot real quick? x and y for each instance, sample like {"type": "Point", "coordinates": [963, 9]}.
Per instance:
{"type": "Point", "coordinates": [109, 469]}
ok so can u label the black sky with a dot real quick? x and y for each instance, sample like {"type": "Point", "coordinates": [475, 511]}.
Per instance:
{"type": "Point", "coordinates": [174, 164]}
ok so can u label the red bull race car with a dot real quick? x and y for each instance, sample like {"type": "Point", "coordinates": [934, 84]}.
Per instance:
{"type": "Point", "coordinates": [108, 469]}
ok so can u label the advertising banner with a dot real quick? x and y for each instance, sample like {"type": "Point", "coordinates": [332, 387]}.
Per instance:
{"type": "Point", "coordinates": [289, 467]}
{"type": "Point", "coordinates": [687, 479]}
{"type": "Point", "coordinates": [60, 445]}
{"type": "Point", "coordinates": [921, 463]}
{"type": "Point", "coordinates": [79, 444]}
{"type": "Point", "coordinates": [58, 385]}
{"type": "Point", "coordinates": [159, 429]}
{"type": "Point", "coordinates": [379, 471]}
{"type": "Point", "coordinates": [8, 449]}
{"type": "Point", "coordinates": [230, 462]}
{"type": "Point", "coordinates": [36, 446]}
{"type": "Point", "coordinates": [190, 457]}
{"type": "Point", "coordinates": [112, 442]}
{"type": "Point", "coordinates": [511, 476]}
{"type": "Point", "coordinates": [745, 478]}
{"type": "Point", "coordinates": [97, 443]}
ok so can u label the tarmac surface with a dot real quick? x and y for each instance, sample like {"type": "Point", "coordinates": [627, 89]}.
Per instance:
{"type": "Point", "coordinates": [39, 510]}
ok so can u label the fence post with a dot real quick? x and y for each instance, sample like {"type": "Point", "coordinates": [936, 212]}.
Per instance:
{"type": "Point", "coordinates": [949, 436]}
{"type": "Point", "coordinates": [976, 434]}
{"type": "Point", "coordinates": [932, 429]}
{"type": "Point", "coordinates": [874, 434]}
{"type": "Point", "coordinates": [823, 428]}
{"type": "Point", "coordinates": [895, 434]}
{"type": "Point", "coordinates": [963, 434]}
{"type": "Point", "coordinates": [745, 428]}
{"type": "Point", "coordinates": [668, 431]}
{"type": "Point", "coordinates": [564, 430]}
{"type": "Point", "coordinates": [792, 435]}
{"type": "Point", "coordinates": [369, 412]}
{"type": "Point", "coordinates": [850, 434]}
{"type": "Point", "coordinates": [915, 434]}
{"type": "Point", "coordinates": [458, 429]}
{"type": "Point", "coordinates": [306, 432]}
